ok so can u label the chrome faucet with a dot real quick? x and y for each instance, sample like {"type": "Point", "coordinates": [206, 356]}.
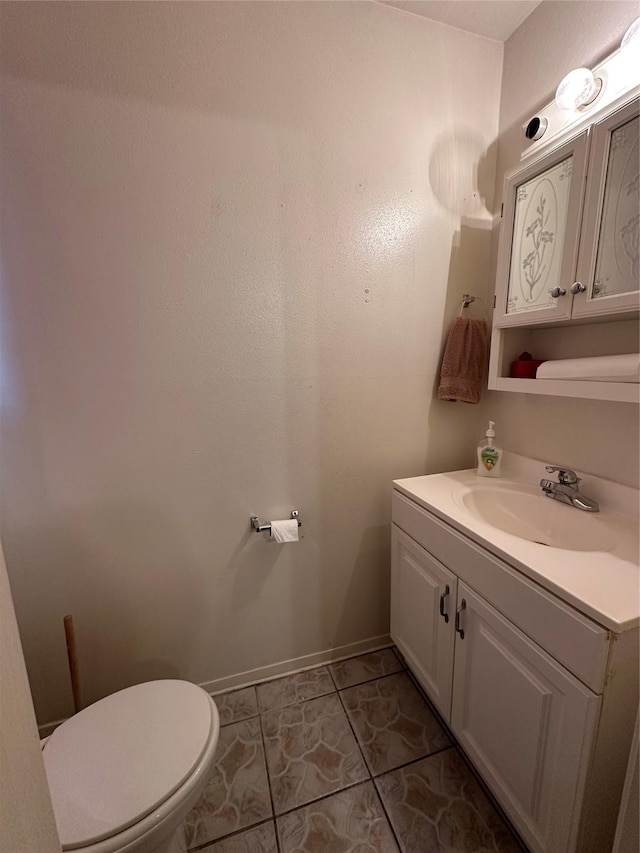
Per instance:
{"type": "Point", "coordinates": [566, 489]}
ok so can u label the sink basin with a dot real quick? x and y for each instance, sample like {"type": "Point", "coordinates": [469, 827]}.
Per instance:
{"type": "Point", "coordinates": [590, 560]}
{"type": "Point", "coordinates": [535, 517]}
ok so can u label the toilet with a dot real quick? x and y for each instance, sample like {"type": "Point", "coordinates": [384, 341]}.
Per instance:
{"type": "Point", "coordinates": [125, 772]}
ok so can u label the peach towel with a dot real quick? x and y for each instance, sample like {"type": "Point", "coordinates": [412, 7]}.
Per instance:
{"type": "Point", "coordinates": [465, 361]}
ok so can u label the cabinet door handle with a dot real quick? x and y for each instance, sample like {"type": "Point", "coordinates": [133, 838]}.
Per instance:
{"type": "Point", "coordinates": [577, 287]}
{"type": "Point", "coordinates": [444, 615]}
{"type": "Point", "coordinates": [462, 607]}
{"type": "Point", "coordinates": [557, 291]}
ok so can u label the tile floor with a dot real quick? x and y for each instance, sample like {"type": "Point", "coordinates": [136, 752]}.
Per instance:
{"type": "Point", "coordinates": [344, 758]}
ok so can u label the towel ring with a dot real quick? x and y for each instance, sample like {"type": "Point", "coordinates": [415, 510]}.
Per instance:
{"type": "Point", "coordinates": [467, 299]}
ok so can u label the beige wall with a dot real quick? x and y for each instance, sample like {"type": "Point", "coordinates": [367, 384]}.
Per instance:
{"type": "Point", "coordinates": [601, 438]}
{"type": "Point", "coordinates": [233, 235]}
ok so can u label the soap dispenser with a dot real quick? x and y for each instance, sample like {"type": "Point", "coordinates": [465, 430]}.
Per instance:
{"type": "Point", "coordinates": [489, 456]}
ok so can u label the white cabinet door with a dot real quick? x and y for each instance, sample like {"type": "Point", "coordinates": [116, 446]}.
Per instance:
{"type": "Point", "coordinates": [608, 263]}
{"type": "Point", "coordinates": [423, 595]}
{"type": "Point", "coordinates": [539, 238]}
{"type": "Point", "coordinates": [526, 723]}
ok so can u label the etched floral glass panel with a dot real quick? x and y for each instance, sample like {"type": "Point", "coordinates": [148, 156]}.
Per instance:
{"type": "Point", "coordinates": [617, 259]}
{"type": "Point", "coordinates": [538, 236]}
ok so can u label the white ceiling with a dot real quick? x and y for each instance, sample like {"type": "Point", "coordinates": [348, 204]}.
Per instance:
{"type": "Point", "coordinates": [495, 19]}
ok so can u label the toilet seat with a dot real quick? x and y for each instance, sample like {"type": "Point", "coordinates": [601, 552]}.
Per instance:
{"type": "Point", "coordinates": [115, 767]}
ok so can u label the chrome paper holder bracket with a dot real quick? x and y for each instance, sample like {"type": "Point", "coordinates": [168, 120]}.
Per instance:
{"type": "Point", "coordinates": [260, 528]}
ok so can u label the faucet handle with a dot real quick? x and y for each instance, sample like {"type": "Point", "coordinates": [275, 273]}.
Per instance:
{"type": "Point", "coordinates": [565, 475]}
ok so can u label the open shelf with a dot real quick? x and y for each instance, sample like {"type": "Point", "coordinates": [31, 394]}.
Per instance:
{"type": "Point", "coordinates": [569, 341]}
{"type": "Point", "coordinates": [623, 392]}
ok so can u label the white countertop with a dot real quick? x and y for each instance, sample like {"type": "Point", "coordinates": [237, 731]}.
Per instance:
{"type": "Point", "coordinates": [604, 585]}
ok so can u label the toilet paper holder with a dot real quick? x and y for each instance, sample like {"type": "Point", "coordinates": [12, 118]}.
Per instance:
{"type": "Point", "coordinates": [260, 528]}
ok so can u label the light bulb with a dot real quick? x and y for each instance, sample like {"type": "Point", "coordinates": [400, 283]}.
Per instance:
{"type": "Point", "coordinates": [628, 57]}
{"type": "Point", "coordinates": [630, 38]}
{"type": "Point", "coordinates": [578, 88]}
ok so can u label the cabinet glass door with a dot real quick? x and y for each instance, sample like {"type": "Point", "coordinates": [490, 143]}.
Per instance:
{"type": "Point", "coordinates": [539, 240]}
{"type": "Point", "coordinates": [617, 264]}
{"type": "Point", "coordinates": [538, 237]}
{"type": "Point", "coordinates": [608, 267]}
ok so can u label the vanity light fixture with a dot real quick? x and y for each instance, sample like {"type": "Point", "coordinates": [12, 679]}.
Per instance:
{"type": "Point", "coordinates": [578, 89]}
{"type": "Point", "coordinates": [585, 95]}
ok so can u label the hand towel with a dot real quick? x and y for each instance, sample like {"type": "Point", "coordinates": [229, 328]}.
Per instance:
{"type": "Point", "coordinates": [465, 361]}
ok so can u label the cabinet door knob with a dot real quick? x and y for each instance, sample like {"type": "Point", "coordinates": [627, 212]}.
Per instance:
{"type": "Point", "coordinates": [444, 615]}
{"type": "Point", "coordinates": [460, 631]}
{"type": "Point", "coordinates": [557, 291]}
{"type": "Point", "coordinates": [577, 287]}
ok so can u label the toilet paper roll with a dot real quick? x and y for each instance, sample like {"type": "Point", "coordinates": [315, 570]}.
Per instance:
{"type": "Point", "coordinates": [285, 530]}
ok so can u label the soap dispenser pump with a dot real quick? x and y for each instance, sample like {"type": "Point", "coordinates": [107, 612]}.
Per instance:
{"type": "Point", "coordinates": [489, 456]}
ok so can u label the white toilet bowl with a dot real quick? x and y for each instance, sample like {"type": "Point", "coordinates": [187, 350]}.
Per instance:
{"type": "Point", "coordinates": [124, 772]}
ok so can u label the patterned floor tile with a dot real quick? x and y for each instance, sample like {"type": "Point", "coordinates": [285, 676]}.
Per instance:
{"type": "Point", "coordinates": [237, 705]}
{"type": "Point", "coordinates": [392, 722]}
{"type": "Point", "coordinates": [260, 839]}
{"type": "Point", "coordinates": [349, 822]}
{"type": "Point", "coordinates": [311, 752]}
{"type": "Point", "coordinates": [237, 793]}
{"type": "Point", "coordinates": [437, 806]}
{"type": "Point", "coordinates": [346, 673]}
{"type": "Point", "coordinates": [294, 688]}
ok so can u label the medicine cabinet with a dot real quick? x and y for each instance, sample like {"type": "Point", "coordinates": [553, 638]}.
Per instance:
{"type": "Point", "coordinates": [539, 243]}
{"type": "Point", "coordinates": [569, 256]}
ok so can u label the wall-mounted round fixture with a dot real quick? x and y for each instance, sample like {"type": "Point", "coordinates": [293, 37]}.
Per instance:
{"type": "Point", "coordinates": [536, 128]}
{"type": "Point", "coordinates": [578, 89]}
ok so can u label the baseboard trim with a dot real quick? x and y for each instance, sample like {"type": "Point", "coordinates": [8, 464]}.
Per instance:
{"type": "Point", "coordinates": [275, 670]}
{"type": "Point", "coordinates": [293, 665]}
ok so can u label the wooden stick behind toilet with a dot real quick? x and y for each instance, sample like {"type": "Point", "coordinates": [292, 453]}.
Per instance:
{"type": "Point", "coordinates": [72, 655]}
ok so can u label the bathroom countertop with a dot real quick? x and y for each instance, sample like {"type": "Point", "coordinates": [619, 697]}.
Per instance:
{"type": "Point", "coordinates": [602, 584]}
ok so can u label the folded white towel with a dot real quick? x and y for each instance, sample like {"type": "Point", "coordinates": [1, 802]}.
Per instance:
{"type": "Point", "coordinates": [605, 368]}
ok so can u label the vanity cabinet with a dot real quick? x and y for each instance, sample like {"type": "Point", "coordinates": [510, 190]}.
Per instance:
{"type": "Point", "coordinates": [569, 255]}
{"type": "Point", "coordinates": [532, 689]}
